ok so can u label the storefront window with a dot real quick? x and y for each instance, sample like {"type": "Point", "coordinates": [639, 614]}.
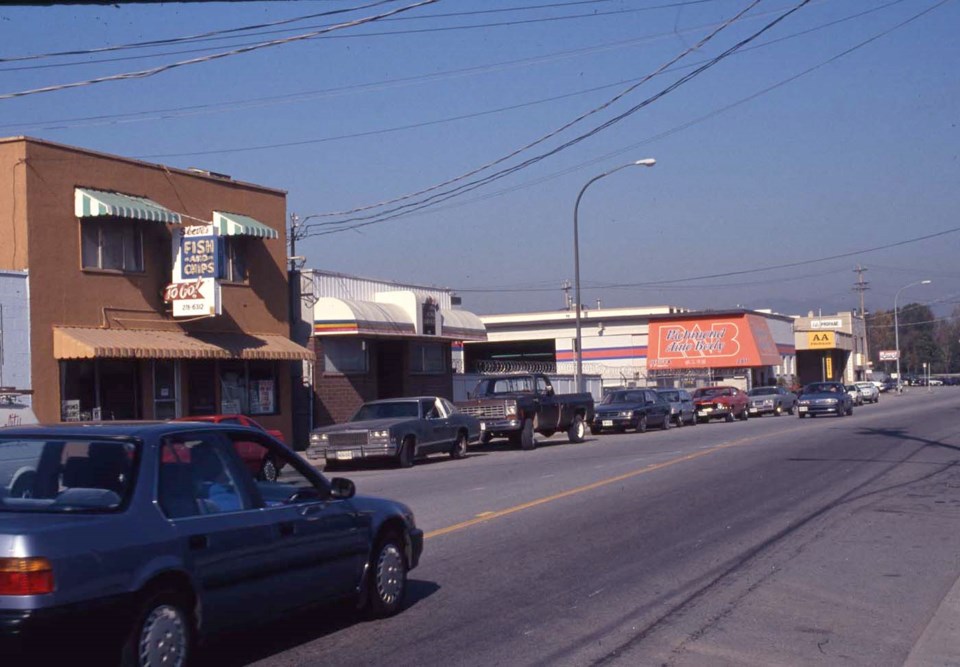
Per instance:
{"type": "Point", "coordinates": [262, 384]}
{"type": "Point", "coordinates": [428, 358]}
{"type": "Point", "coordinates": [201, 388]}
{"type": "Point", "coordinates": [233, 388]}
{"type": "Point", "coordinates": [111, 244]}
{"type": "Point", "coordinates": [78, 395]}
{"type": "Point", "coordinates": [345, 355]}
{"type": "Point", "coordinates": [99, 389]}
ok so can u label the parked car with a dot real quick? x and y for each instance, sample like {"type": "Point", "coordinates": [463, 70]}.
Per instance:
{"type": "Point", "coordinates": [517, 406]}
{"type": "Point", "coordinates": [266, 468]}
{"type": "Point", "coordinates": [142, 538]}
{"type": "Point", "coordinates": [728, 403]}
{"type": "Point", "coordinates": [681, 406]}
{"type": "Point", "coordinates": [403, 429]}
{"type": "Point", "coordinates": [771, 401]}
{"type": "Point", "coordinates": [631, 408]}
{"type": "Point", "coordinates": [855, 394]}
{"type": "Point", "coordinates": [819, 398]}
{"type": "Point", "coordinates": [871, 394]}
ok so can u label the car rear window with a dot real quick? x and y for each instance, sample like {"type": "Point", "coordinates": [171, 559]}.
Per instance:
{"type": "Point", "coordinates": [65, 475]}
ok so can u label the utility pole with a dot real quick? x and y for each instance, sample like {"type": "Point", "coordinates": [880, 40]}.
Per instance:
{"type": "Point", "coordinates": [861, 286]}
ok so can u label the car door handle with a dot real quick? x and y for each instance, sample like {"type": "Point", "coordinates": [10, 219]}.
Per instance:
{"type": "Point", "coordinates": [198, 542]}
{"type": "Point", "coordinates": [286, 528]}
{"type": "Point", "coordinates": [311, 512]}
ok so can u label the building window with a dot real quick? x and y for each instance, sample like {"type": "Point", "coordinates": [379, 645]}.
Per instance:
{"type": "Point", "coordinates": [111, 245]}
{"type": "Point", "coordinates": [345, 355]}
{"type": "Point", "coordinates": [99, 389]}
{"type": "Point", "coordinates": [235, 259]}
{"type": "Point", "coordinates": [428, 358]}
{"type": "Point", "coordinates": [248, 388]}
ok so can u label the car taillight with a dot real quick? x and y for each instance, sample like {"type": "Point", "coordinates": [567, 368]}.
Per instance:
{"type": "Point", "coordinates": [25, 576]}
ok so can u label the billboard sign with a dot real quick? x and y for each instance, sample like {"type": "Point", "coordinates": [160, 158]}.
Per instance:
{"type": "Point", "coordinates": [730, 342]}
{"type": "Point", "coordinates": [832, 323]}
{"type": "Point", "coordinates": [195, 289]}
{"type": "Point", "coordinates": [889, 355]}
{"type": "Point", "coordinates": [822, 340]}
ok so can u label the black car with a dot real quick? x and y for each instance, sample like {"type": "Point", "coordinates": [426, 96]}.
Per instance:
{"type": "Point", "coordinates": [631, 408]}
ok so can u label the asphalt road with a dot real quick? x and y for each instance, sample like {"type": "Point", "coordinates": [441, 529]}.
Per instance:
{"type": "Point", "coordinates": [776, 541]}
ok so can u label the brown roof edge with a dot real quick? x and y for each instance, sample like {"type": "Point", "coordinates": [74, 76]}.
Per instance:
{"type": "Point", "coordinates": [208, 176]}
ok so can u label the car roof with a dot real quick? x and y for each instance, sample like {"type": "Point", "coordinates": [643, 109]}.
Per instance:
{"type": "Point", "coordinates": [402, 399]}
{"type": "Point", "coordinates": [118, 429]}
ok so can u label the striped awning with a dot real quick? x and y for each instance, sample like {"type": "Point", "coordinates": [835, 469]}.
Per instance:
{"type": "Point", "coordinates": [463, 325]}
{"type": "Point", "coordinates": [234, 224]}
{"type": "Point", "coordinates": [89, 203]}
{"type": "Point", "coordinates": [91, 343]}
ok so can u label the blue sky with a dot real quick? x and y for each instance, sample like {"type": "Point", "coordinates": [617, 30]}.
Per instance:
{"type": "Point", "coordinates": [833, 133]}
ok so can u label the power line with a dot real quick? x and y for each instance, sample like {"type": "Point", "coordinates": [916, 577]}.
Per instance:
{"type": "Point", "coordinates": [141, 74]}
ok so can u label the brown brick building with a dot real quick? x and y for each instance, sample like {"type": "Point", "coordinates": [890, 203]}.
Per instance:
{"type": "Point", "coordinates": [101, 238]}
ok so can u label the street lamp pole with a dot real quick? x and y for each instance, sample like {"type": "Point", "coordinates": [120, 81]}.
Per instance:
{"type": "Point", "coordinates": [578, 353]}
{"type": "Point", "coordinates": [896, 327]}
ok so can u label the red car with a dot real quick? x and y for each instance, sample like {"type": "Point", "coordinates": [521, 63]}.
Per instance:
{"type": "Point", "coordinates": [251, 453]}
{"type": "Point", "coordinates": [714, 402]}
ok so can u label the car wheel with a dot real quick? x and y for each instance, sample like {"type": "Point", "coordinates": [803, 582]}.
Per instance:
{"type": "Point", "coordinates": [596, 430]}
{"type": "Point", "coordinates": [162, 633]}
{"type": "Point", "coordinates": [680, 420]}
{"type": "Point", "coordinates": [527, 439]}
{"type": "Point", "coordinates": [459, 449]}
{"type": "Point", "coordinates": [745, 415]}
{"type": "Point", "coordinates": [642, 424]}
{"type": "Point", "coordinates": [694, 421]}
{"type": "Point", "coordinates": [778, 410]}
{"type": "Point", "coordinates": [667, 423]}
{"type": "Point", "coordinates": [388, 577]}
{"type": "Point", "coordinates": [406, 454]}
{"type": "Point", "coordinates": [577, 429]}
{"type": "Point", "coordinates": [850, 411]}
{"type": "Point", "coordinates": [269, 471]}
{"type": "Point", "coordinates": [790, 410]}
{"type": "Point", "coordinates": [729, 417]}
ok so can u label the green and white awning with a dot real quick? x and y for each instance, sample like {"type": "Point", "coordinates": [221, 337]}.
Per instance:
{"type": "Point", "coordinates": [88, 203]}
{"type": "Point", "coordinates": [234, 224]}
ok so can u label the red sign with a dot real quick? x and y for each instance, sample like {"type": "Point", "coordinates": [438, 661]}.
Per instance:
{"type": "Point", "coordinates": [183, 291]}
{"type": "Point", "coordinates": [730, 342]}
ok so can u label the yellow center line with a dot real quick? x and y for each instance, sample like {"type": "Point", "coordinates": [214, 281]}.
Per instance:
{"type": "Point", "coordinates": [653, 467]}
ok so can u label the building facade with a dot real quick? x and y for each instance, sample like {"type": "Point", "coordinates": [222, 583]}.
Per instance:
{"type": "Point", "coordinates": [375, 339]}
{"type": "Point", "coordinates": [153, 292]}
{"type": "Point", "coordinates": [831, 347]}
{"type": "Point", "coordinates": [662, 345]}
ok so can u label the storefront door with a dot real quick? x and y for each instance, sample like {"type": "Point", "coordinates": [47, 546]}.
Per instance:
{"type": "Point", "coordinates": [166, 380]}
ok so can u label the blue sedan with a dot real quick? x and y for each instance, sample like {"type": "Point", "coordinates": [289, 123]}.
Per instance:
{"type": "Point", "coordinates": [141, 538]}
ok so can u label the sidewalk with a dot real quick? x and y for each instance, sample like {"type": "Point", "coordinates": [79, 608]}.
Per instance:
{"type": "Point", "coordinates": [939, 645]}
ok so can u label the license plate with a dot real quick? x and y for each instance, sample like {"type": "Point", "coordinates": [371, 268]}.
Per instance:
{"type": "Point", "coordinates": [753, 409]}
{"type": "Point", "coordinates": [607, 422]}
{"type": "Point", "coordinates": [344, 456]}
{"type": "Point", "coordinates": [802, 408]}
{"type": "Point", "coordinates": [703, 412]}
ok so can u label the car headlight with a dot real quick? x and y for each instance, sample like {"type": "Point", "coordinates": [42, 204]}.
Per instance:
{"type": "Point", "coordinates": [804, 402]}
{"type": "Point", "coordinates": [768, 402]}
{"type": "Point", "coordinates": [626, 413]}
{"type": "Point", "coordinates": [318, 438]}
{"type": "Point", "coordinates": [380, 435]}
{"type": "Point", "coordinates": [831, 401]}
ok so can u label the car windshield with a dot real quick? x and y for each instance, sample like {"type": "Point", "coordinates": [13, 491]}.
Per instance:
{"type": "Point", "coordinates": [710, 392]}
{"type": "Point", "coordinates": [670, 395]}
{"type": "Point", "coordinates": [390, 410]}
{"type": "Point", "coordinates": [623, 397]}
{"type": "Point", "coordinates": [508, 385]}
{"type": "Point", "coordinates": [821, 388]}
{"type": "Point", "coordinates": [57, 475]}
{"type": "Point", "coordinates": [763, 391]}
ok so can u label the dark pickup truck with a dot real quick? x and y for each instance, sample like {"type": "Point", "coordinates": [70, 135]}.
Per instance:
{"type": "Point", "coordinates": [517, 406]}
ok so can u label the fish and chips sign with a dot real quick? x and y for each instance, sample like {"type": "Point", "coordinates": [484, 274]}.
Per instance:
{"type": "Point", "coordinates": [195, 290]}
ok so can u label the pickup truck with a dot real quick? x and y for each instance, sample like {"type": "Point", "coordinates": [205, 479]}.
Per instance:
{"type": "Point", "coordinates": [517, 406]}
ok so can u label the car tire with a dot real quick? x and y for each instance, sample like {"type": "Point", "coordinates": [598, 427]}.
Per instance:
{"type": "Point", "coordinates": [778, 410]}
{"type": "Point", "coordinates": [387, 583]}
{"type": "Point", "coordinates": [642, 424]}
{"type": "Point", "coordinates": [850, 411]}
{"type": "Point", "coordinates": [528, 440]}
{"type": "Point", "coordinates": [577, 430]}
{"type": "Point", "coordinates": [729, 417]}
{"type": "Point", "coordinates": [680, 420]}
{"type": "Point", "coordinates": [790, 410]}
{"type": "Point", "coordinates": [745, 415]}
{"type": "Point", "coordinates": [667, 423]}
{"type": "Point", "coordinates": [459, 449]}
{"type": "Point", "coordinates": [162, 632]}
{"type": "Point", "coordinates": [406, 454]}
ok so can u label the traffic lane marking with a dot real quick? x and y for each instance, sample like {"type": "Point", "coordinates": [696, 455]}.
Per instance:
{"type": "Point", "coordinates": [653, 467]}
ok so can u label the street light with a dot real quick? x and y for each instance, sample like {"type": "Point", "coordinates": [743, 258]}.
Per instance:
{"type": "Point", "coordinates": [896, 327]}
{"type": "Point", "coordinates": [649, 162]}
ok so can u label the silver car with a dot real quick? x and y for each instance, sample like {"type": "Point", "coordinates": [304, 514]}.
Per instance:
{"type": "Point", "coordinates": [681, 406]}
{"type": "Point", "coordinates": [141, 538]}
{"type": "Point", "coordinates": [771, 401]}
{"type": "Point", "coordinates": [871, 394]}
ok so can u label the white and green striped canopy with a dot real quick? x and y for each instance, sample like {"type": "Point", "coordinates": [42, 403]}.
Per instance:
{"type": "Point", "coordinates": [89, 203]}
{"type": "Point", "coordinates": [234, 224]}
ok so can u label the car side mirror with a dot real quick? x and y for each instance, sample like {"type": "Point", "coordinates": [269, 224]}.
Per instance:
{"type": "Point", "coordinates": [342, 488]}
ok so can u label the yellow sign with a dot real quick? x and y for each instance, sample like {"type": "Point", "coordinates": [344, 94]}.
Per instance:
{"type": "Point", "coordinates": [829, 372]}
{"type": "Point", "coordinates": [821, 340]}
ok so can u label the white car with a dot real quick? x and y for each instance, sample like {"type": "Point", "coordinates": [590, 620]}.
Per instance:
{"type": "Point", "coordinates": [870, 391]}
{"type": "Point", "coordinates": [855, 394]}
